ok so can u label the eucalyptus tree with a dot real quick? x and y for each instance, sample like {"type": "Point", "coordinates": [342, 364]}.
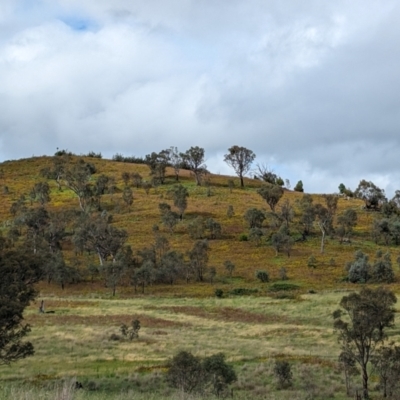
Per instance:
{"type": "Point", "coordinates": [194, 160]}
{"type": "Point", "coordinates": [240, 159]}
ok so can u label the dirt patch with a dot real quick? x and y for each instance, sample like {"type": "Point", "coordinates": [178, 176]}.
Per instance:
{"type": "Point", "coordinates": [52, 305]}
{"type": "Point", "coordinates": [101, 320]}
{"type": "Point", "coordinates": [229, 314]}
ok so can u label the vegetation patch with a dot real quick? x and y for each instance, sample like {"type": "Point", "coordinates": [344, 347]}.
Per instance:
{"type": "Point", "coordinates": [243, 291]}
{"type": "Point", "coordinates": [283, 286]}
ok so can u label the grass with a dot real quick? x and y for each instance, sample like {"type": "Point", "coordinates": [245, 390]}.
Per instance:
{"type": "Point", "coordinates": [74, 343]}
{"type": "Point", "coordinates": [252, 324]}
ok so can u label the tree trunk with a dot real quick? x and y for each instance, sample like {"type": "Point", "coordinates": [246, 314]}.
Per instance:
{"type": "Point", "coordinates": [241, 181]}
{"type": "Point", "coordinates": [365, 381]}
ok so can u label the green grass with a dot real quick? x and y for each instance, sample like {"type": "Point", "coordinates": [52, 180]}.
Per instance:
{"type": "Point", "coordinates": [252, 331]}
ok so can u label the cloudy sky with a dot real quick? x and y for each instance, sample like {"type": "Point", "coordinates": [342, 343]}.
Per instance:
{"type": "Point", "coordinates": [312, 87]}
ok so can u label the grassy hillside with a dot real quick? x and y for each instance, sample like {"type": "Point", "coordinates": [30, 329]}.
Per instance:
{"type": "Point", "coordinates": [277, 320]}
{"type": "Point", "coordinates": [211, 200]}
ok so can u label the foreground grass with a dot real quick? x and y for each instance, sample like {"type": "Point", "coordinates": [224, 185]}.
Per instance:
{"type": "Point", "coordinates": [74, 343]}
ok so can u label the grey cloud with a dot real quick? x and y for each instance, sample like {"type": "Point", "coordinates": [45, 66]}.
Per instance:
{"type": "Point", "coordinates": [311, 87]}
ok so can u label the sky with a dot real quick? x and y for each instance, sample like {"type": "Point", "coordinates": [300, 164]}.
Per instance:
{"type": "Point", "coordinates": [311, 87]}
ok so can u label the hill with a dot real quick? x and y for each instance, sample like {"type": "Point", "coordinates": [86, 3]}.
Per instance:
{"type": "Point", "coordinates": [253, 323]}
{"type": "Point", "coordinates": [211, 200]}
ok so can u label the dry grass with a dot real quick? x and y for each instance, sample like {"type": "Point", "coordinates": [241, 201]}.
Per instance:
{"type": "Point", "coordinates": [20, 176]}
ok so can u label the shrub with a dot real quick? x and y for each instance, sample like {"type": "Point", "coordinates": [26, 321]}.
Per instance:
{"type": "Point", "coordinates": [243, 238]}
{"type": "Point", "coordinates": [131, 332]}
{"type": "Point", "coordinates": [277, 287]}
{"type": "Point", "coordinates": [359, 268]}
{"type": "Point", "coordinates": [262, 275]}
{"type": "Point", "coordinates": [219, 293]}
{"type": "Point", "coordinates": [191, 374]}
{"type": "Point", "coordinates": [382, 270]}
{"type": "Point", "coordinates": [283, 374]}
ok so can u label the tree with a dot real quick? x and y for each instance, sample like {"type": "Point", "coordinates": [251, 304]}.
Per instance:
{"type": "Point", "coordinates": [271, 194]}
{"type": "Point", "coordinates": [286, 213]}
{"type": "Point", "coordinates": [185, 372]}
{"type": "Point", "coordinates": [307, 217]}
{"type": "Point", "coordinates": [41, 193]}
{"type": "Point", "coordinates": [331, 202]}
{"type": "Point", "coordinates": [281, 241]}
{"type": "Point", "coordinates": [194, 160]}
{"type": "Point", "coordinates": [267, 175]}
{"type": "Point", "coordinates": [179, 195]}
{"type": "Point", "coordinates": [98, 235]}
{"type": "Point", "coordinates": [20, 270]}
{"type": "Point", "coordinates": [176, 161]}
{"type": "Point", "coordinates": [192, 374]}
{"type": "Point", "coordinates": [218, 373]}
{"type": "Point", "coordinates": [127, 196]}
{"type": "Point", "coordinates": [56, 172]}
{"type": "Point", "coordinates": [214, 228]}
{"type": "Point", "coordinates": [323, 219]}
{"type": "Point", "coordinates": [387, 364]}
{"type": "Point", "coordinates": [158, 162]}
{"type": "Point", "coordinates": [77, 178]}
{"type": "Point", "coordinates": [199, 258]}
{"type": "Point", "coordinates": [382, 270]}
{"type": "Point", "coordinates": [240, 159]}
{"type": "Point", "coordinates": [299, 187]}
{"type": "Point", "coordinates": [366, 316]}
{"type": "Point", "coordinates": [137, 179]}
{"type": "Point", "coordinates": [347, 220]}
{"type": "Point", "coordinates": [196, 228]}
{"type": "Point", "coordinates": [372, 195]}
{"type": "Point", "coordinates": [229, 266]}
{"type": "Point", "coordinates": [254, 217]}
{"type": "Point", "coordinates": [36, 221]}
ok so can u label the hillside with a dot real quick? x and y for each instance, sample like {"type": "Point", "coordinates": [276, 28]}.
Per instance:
{"type": "Point", "coordinates": [253, 323]}
{"type": "Point", "coordinates": [208, 201]}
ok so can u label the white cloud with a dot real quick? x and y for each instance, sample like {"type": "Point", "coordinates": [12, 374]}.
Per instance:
{"type": "Point", "coordinates": [311, 87]}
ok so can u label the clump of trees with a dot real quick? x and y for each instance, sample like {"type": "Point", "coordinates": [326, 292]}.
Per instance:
{"type": "Point", "coordinates": [191, 374]}
{"type": "Point", "coordinates": [360, 270]}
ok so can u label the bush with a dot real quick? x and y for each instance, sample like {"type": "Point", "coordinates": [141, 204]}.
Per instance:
{"type": "Point", "coordinates": [243, 238]}
{"type": "Point", "coordinates": [185, 372]}
{"type": "Point", "coordinates": [283, 374]}
{"type": "Point", "coordinates": [277, 287]}
{"type": "Point", "coordinates": [382, 270]}
{"type": "Point", "coordinates": [359, 268]}
{"type": "Point", "coordinates": [262, 275]}
{"type": "Point", "coordinates": [191, 374]}
{"type": "Point", "coordinates": [131, 332]}
{"type": "Point", "coordinates": [219, 293]}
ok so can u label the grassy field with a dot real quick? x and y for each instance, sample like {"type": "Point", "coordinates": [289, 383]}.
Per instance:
{"type": "Point", "coordinates": [74, 343]}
